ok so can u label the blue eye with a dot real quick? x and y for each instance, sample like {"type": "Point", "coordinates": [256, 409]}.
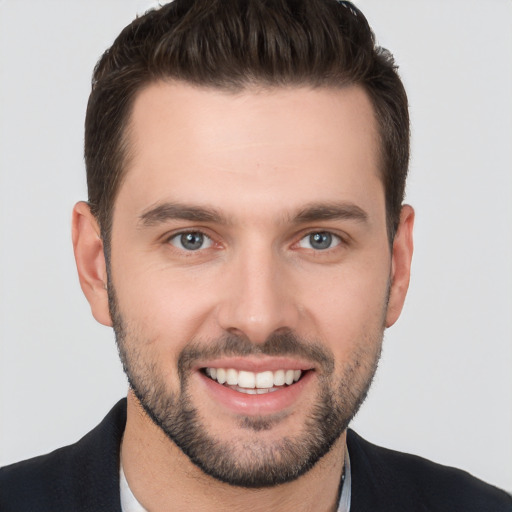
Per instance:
{"type": "Point", "coordinates": [191, 241]}
{"type": "Point", "coordinates": [320, 241]}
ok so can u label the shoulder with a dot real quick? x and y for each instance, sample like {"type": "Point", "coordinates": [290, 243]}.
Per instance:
{"type": "Point", "coordinates": [401, 481]}
{"type": "Point", "coordinates": [32, 483]}
{"type": "Point", "coordinates": [70, 478]}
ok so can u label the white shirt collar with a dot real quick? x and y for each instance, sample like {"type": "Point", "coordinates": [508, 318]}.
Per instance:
{"type": "Point", "coordinates": [129, 502]}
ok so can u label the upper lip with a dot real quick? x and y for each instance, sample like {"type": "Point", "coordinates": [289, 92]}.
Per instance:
{"type": "Point", "coordinates": [257, 364]}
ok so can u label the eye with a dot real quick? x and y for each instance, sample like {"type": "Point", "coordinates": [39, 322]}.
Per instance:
{"type": "Point", "coordinates": [191, 241]}
{"type": "Point", "coordinates": [320, 241]}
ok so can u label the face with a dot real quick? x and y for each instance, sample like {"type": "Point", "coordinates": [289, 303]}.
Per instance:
{"type": "Point", "coordinates": [251, 275]}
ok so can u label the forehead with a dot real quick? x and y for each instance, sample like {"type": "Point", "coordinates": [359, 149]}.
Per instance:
{"type": "Point", "coordinates": [202, 146]}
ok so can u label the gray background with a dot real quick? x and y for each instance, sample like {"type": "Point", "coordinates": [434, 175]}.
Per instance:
{"type": "Point", "coordinates": [444, 388]}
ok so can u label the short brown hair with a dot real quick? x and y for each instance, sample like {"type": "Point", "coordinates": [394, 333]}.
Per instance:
{"type": "Point", "coordinates": [232, 44]}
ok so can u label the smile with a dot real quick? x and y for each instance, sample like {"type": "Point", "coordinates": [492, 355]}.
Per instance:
{"type": "Point", "coordinates": [253, 383]}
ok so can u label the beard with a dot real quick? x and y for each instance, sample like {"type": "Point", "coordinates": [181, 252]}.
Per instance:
{"type": "Point", "coordinates": [254, 463]}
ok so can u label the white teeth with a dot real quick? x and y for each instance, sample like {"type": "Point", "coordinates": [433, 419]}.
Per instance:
{"type": "Point", "coordinates": [247, 382]}
{"type": "Point", "coordinates": [278, 378]}
{"type": "Point", "coordinates": [264, 380]}
{"type": "Point", "coordinates": [246, 379]}
{"type": "Point", "coordinates": [232, 377]}
{"type": "Point", "coordinates": [255, 391]}
{"type": "Point", "coordinates": [221, 375]}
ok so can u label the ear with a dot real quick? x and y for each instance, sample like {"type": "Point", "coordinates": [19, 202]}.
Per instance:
{"type": "Point", "coordinates": [90, 261]}
{"type": "Point", "coordinates": [400, 265]}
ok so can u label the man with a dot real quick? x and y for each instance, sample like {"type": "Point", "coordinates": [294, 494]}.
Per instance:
{"type": "Point", "coordinates": [245, 237]}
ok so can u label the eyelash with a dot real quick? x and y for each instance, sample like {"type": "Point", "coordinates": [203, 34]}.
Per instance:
{"type": "Point", "coordinates": [178, 236]}
{"type": "Point", "coordinates": [332, 238]}
{"type": "Point", "coordinates": [339, 240]}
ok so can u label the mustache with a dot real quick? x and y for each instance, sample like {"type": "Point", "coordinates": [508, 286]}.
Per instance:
{"type": "Point", "coordinates": [281, 343]}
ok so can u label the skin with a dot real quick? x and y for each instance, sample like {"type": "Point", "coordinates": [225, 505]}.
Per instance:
{"type": "Point", "coordinates": [258, 157]}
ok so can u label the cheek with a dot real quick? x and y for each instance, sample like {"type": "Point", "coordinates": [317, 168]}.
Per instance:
{"type": "Point", "coordinates": [160, 315]}
{"type": "Point", "coordinates": [348, 309]}
{"type": "Point", "coordinates": [170, 307]}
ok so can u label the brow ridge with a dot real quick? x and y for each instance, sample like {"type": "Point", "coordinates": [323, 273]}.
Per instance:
{"type": "Point", "coordinates": [164, 212]}
{"type": "Point", "coordinates": [330, 211]}
{"type": "Point", "coordinates": [313, 212]}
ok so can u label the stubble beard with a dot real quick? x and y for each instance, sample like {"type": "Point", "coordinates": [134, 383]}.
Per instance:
{"type": "Point", "coordinates": [258, 463]}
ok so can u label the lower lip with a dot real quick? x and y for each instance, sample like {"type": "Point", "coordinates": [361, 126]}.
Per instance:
{"type": "Point", "coordinates": [254, 405]}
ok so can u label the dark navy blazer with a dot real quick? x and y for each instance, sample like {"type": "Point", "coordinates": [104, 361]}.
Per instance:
{"type": "Point", "coordinates": [84, 477]}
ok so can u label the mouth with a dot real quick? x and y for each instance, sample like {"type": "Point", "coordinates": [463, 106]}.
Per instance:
{"type": "Point", "coordinates": [254, 383]}
{"type": "Point", "coordinates": [257, 386]}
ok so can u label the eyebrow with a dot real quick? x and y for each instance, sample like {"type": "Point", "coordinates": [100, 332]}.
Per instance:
{"type": "Point", "coordinates": [177, 211]}
{"type": "Point", "coordinates": [314, 212]}
{"type": "Point", "coordinates": [330, 211]}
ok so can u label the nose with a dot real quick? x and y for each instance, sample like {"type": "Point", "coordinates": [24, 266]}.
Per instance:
{"type": "Point", "coordinates": [258, 296]}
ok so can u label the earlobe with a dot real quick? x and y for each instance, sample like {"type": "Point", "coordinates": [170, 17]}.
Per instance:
{"type": "Point", "coordinates": [90, 261]}
{"type": "Point", "coordinates": [400, 265]}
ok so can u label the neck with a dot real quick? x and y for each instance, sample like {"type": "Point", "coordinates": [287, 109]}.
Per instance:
{"type": "Point", "coordinates": [162, 477]}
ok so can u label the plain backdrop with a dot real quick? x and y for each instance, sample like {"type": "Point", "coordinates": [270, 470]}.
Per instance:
{"type": "Point", "coordinates": [444, 387]}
